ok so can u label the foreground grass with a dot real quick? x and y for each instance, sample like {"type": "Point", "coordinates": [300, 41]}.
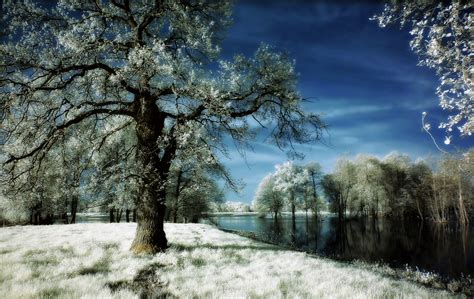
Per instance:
{"type": "Point", "coordinates": [93, 261]}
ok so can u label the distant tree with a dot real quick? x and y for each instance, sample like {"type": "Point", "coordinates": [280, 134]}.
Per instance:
{"type": "Point", "coordinates": [192, 183]}
{"type": "Point", "coordinates": [291, 179]}
{"type": "Point", "coordinates": [332, 190]}
{"type": "Point", "coordinates": [311, 200]}
{"type": "Point", "coordinates": [368, 191]}
{"type": "Point", "coordinates": [442, 38]}
{"type": "Point", "coordinates": [450, 188]}
{"type": "Point", "coordinates": [149, 62]}
{"type": "Point", "coordinates": [28, 200]}
{"type": "Point", "coordinates": [344, 178]}
{"type": "Point", "coordinates": [114, 181]}
{"type": "Point", "coordinates": [232, 207]}
{"type": "Point", "coordinates": [196, 200]}
{"type": "Point", "coordinates": [418, 187]}
{"type": "Point", "coordinates": [74, 161]}
{"type": "Point", "coordinates": [459, 171]}
{"type": "Point", "coordinates": [268, 199]}
{"type": "Point", "coordinates": [467, 168]}
{"type": "Point", "coordinates": [193, 190]}
{"type": "Point", "coordinates": [395, 168]}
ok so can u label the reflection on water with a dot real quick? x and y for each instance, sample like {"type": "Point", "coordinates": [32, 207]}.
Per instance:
{"type": "Point", "coordinates": [93, 218]}
{"type": "Point", "coordinates": [445, 250]}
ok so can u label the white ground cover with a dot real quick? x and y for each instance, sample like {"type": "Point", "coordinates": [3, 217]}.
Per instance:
{"type": "Point", "coordinates": [93, 261]}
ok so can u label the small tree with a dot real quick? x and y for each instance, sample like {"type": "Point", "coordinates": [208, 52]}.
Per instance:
{"type": "Point", "coordinates": [193, 190]}
{"type": "Point", "coordinates": [114, 180]}
{"type": "Point", "coordinates": [459, 171]}
{"type": "Point", "coordinates": [291, 181]}
{"type": "Point", "coordinates": [395, 168]}
{"type": "Point", "coordinates": [311, 199]}
{"type": "Point", "coordinates": [343, 180]}
{"type": "Point", "coordinates": [332, 190]}
{"type": "Point", "coordinates": [419, 187]}
{"type": "Point", "coordinates": [369, 189]}
{"type": "Point", "coordinates": [267, 198]}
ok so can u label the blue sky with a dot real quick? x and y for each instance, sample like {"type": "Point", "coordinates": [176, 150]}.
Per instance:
{"type": "Point", "coordinates": [362, 79]}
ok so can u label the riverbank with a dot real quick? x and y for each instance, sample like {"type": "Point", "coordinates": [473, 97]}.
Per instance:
{"type": "Point", "coordinates": [92, 260]}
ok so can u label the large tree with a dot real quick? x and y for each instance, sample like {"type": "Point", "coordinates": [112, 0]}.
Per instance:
{"type": "Point", "coordinates": [152, 62]}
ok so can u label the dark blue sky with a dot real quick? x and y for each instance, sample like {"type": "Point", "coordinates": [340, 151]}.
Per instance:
{"type": "Point", "coordinates": [363, 80]}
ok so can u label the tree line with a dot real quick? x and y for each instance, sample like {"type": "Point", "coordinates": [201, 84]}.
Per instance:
{"type": "Point", "coordinates": [439, 189]}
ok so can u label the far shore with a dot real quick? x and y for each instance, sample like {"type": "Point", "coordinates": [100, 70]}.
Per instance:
{"type": "Point", "coordinates": [269, 215]}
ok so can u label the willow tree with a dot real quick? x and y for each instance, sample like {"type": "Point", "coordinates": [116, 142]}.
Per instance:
{"type": "Point", "coordinates": [153, 62]}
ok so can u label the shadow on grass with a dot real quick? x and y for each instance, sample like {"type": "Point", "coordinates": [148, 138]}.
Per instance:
{"type": "Point", "coordinates": [146, 283]}
{"type": "Point", "coordinates": [101, 266]}
{"type": "Point", "coordinates": [184, 247]}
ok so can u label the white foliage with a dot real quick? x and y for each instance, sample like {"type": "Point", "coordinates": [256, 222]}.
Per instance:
{"type": "Point", "coordinates": [442, 38]}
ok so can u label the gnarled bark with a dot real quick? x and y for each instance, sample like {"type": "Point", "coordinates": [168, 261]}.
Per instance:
{"type": "Point", "coordinates": [150, 236]}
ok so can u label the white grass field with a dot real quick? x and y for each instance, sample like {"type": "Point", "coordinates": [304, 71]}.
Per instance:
{"type": "Point", "coordinates": [93, 261]}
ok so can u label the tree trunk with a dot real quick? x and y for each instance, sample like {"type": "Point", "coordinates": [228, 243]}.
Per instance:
{"type": "Point", "coordinates": [175, 215]}
{"type": "Point", "coordinates": [127, 215]}
{"type": "Point", "coordinates": [49, 219]}
{"type": "Point", "coordinates": [111, 215]}
{"type": "Point", "coordinates": [134, 215]}
{"type": "Point", "coordinates": [150, 236]}
{"type": "Point", "coordinates": [340, 210]}
{"type": "Point", "coordinates": [66, 205]}
{"type": "Point", "coordinates": [74, 203]}
{"type": "Point", "coordinates": [155, 163]}
{"type": "Point", "coordinates": [119, 215]}
{"type": "Point", "coordinates": [418, 207]}
{"type": "Point", "coordinates": [293, 208]}
{"type": "Point", "coordinates": [176, 195]}
{"type": "Point", "coordinates": [463, 217]}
